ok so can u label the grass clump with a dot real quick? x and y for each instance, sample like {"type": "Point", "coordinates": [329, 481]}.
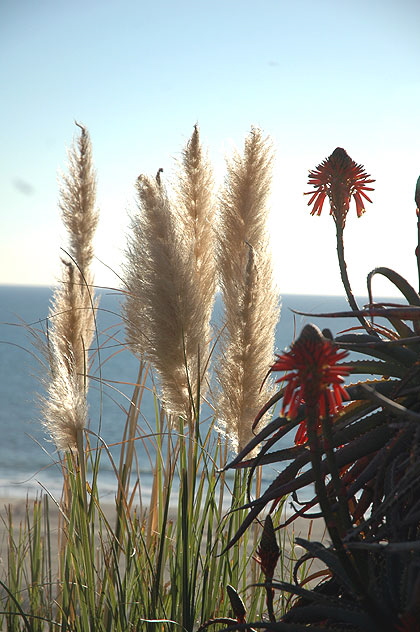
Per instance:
{"type": "Point", "coordinates": [76, 563]}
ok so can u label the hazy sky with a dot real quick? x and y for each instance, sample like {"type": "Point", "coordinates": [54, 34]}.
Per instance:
{"type": "Point", "coordinates": [313, 75]}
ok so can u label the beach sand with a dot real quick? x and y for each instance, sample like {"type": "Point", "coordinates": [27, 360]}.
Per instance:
{"type": "Point", "coordinates": [308, 530]}
{"type": "Point", "coordinates": [290, 553]}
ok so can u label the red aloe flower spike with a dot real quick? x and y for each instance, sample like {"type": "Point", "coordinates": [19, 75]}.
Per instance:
{"type": "Point", "coordinates": [339, 178]}
{"type": "Point", "coordinates": [313, 376]}
{"type": "Point", "coordinates": [417, 194]}
{"type": "Point", "coordinates": [268, 555]}
{"type": "Point", "coordinates": [268, 550]}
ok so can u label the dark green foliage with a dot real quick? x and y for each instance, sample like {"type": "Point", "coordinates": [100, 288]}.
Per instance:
{"type": "Point", "coordinates": [366, 463]}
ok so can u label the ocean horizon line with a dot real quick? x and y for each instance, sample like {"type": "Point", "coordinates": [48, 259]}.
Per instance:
{"type": "Point", "coordinates": [52, 286]}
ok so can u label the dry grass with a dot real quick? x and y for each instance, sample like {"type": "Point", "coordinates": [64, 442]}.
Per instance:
{"type": "Point", "coordinates": [72, 310]}
{"type": "Point", "coordinates": [249, 295]}
{"type": "Point", "coordinates": [170, 281]}
{"type": "Point", "coordinates": [153, 566]}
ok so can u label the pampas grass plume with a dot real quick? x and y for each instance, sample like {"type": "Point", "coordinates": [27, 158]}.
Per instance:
{"type": "Point", "coordinates": [71, 312]}
{"type": "Point", "coordinates": [170, 279]}
{"type": "Point", "coordinates": [251, 301]}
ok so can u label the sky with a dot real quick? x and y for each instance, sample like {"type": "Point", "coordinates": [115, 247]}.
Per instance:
{"type": "Point", "coordinates": [139, 75]}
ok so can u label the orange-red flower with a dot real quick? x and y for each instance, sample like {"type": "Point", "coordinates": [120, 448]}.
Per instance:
{"type": "Point", "coordinates": [314, 377]}
{"type": "Point", "coordinates": [339, 178]}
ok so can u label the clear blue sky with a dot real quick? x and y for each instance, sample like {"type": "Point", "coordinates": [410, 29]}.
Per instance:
{"type": "Point", "coordinates": [139, 75]}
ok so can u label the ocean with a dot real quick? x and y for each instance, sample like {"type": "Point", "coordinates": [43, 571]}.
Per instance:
{"type": "Point", "coordinates": [28, 461]}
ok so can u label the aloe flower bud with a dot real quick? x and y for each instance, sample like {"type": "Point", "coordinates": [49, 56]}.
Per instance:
{"type": "Point", "coordinates": [339, 178]}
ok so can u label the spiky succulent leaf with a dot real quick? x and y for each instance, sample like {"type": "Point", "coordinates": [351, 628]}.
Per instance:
{"type": "Point", "coordinates": [236, 603]}
{"type": "Point", "coordinates": [400, 283]}
{"type": "Point", "coordinates": [376, 367]}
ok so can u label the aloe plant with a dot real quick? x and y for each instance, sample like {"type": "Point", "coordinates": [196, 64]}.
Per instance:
{"type": "Point", "coordinates": [359, 446]}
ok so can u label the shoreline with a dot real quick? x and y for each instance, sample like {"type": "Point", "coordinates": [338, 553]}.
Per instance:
{"type": "Point", "coordinates": [313, 530]}
{"type": "Point", "coordinates": [301, 527]}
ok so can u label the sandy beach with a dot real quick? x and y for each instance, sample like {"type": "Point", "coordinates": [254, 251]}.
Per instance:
{"type": "Point", "coordinates": [309, 572]}
{"type": "Point", "coordinates": [312, 530]}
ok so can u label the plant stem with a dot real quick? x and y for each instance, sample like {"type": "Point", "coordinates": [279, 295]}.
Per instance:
{"type": "Point", "coordinates": [340, 492]}
{"type": "Point", "coordinates": [330, 517]}
{"type": "Point", "coordinates": [345, 279]}
{"type": "Point", "coordinates": [418, 244]}
{"type": "Point", "coordinates": [320, 489]}
{"type": "Point", "coordinates": [270, 602]}
{"type": "Point", "coordinates": [344, 555]}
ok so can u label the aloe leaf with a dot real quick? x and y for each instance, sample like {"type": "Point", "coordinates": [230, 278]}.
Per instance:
{"type": "Point", "coordinates": [277, 489]}
{"type": "Point", "coordinates": [273, 400]}
{"type": "Point", "coordinates": [288, 481]}
{"type": "Point", "coordinates": [353, 411]}
{"type": "Point", "coordinates": [366, 443]}
{"type": "Point", "coordinates": [402, 329]}
{"type": "Point", "coordinates": [276, 424]}
{"type": "Point", "coordinates": [407, 482]}
{"type": "Point", "coordinates": [287, 454]}
{"type": "Point", "coordinates": [375, 367]}
{"type": "Point", "coordinates": [387, 547]}
{"type": "Point", "coordinates": [408, 312]}
{"type": "Point", "coordinates": [366, 437]}
{"type": "Point", "coordinates": [355, 428]}
{"type": "Point", "coordinates": [304, 593]}
{"type": "Point", "coordinates": [321, 604]}
{"type": "Point", "coordinates": [385, 387]}
{"type": "Point", "coordinates": [384, 350]}
{"type": "Point", "coordinates": [236, 603]}
{"type": "Point", "coordinates": [330, 559]}
{"type": "Point", "coordinates": [395, 407]}
{"type": "Point", "coordinates": [340, 615]}
{"type": "Point", "coordinates": [402, 284]}
{"type": "Point", "coordinates": [279, 626]}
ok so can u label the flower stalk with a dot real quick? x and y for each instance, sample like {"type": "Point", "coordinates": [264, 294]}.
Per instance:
{"type": "Point", "coordinates": [314, 378]}
{"type": "Point", "coordinates": [339, 178]}
{"type": "Point", "coordinates": [417, 200]}
{"type": "Point", "coordinates": [345, 278]}
{"type": "Point", "coordinates": [268, 553]}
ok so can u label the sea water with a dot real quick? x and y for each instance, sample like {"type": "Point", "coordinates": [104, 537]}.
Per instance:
{"type": "Point", "coordinates": [28, 461]}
